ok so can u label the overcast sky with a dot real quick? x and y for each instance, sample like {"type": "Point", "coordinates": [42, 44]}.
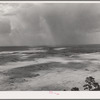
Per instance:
{"type": "Point", "coordinates": [35, 24]}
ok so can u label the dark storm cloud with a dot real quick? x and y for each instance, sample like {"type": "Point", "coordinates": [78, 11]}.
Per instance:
{"type": "Point", "coordinates": [5, 27]}
{"type": "Point", "coordinates": [52, 24]}
{"type": "Point", "coordinates": [29, 27]}
{"type": "Point", "coordinates": [70, 23]}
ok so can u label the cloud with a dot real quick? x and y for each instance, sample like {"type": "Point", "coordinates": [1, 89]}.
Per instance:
{"type": "Point", "coordinates": [71, 22]}
{"type": "Point", "coordinates": [5, 27]}
{"type": "Point", "coordinates": [29, 27]}
{"type": "Point", "coordinates": [50, 24]}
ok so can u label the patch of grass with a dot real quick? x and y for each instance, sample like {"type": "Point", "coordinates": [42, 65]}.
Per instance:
{"type": "Point", "coordinates": [29, 71]}
{"type": "Point", "coordinates": [76, 65]}
{"type": "Point", "coordinates": [86, 69]}
{"type": "Point", "coordinates": [19, 76]}
{"type": "Point", "coordinates": [52, 87]}
{"type": "Point", "coordinates": [8, 58]}
{"type": "Point", "coordinates": [18, 73]}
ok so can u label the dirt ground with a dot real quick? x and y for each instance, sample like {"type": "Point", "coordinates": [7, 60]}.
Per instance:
{"type": "Point", "coordinates": [50, 74]}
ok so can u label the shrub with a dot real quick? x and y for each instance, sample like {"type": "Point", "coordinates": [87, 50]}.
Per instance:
{"type": "Point", "coordinates": [91, 84]}
{"type": "Point", "coordinates": [75, 89]}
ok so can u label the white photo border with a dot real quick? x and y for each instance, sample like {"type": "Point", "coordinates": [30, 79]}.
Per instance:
{"type": "Point", "coordinates": [49, 94]}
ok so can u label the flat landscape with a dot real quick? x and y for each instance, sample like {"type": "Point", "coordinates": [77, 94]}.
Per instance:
{"type": "Point", "coordinates": [48, 68]}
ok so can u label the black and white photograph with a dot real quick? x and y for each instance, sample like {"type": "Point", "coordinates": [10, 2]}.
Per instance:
{"type": "Point", "coordinates": [49, 47]}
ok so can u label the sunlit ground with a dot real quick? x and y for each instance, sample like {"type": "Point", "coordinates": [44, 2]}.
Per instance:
{"type": "Point", "coordinates": [38, 69]}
